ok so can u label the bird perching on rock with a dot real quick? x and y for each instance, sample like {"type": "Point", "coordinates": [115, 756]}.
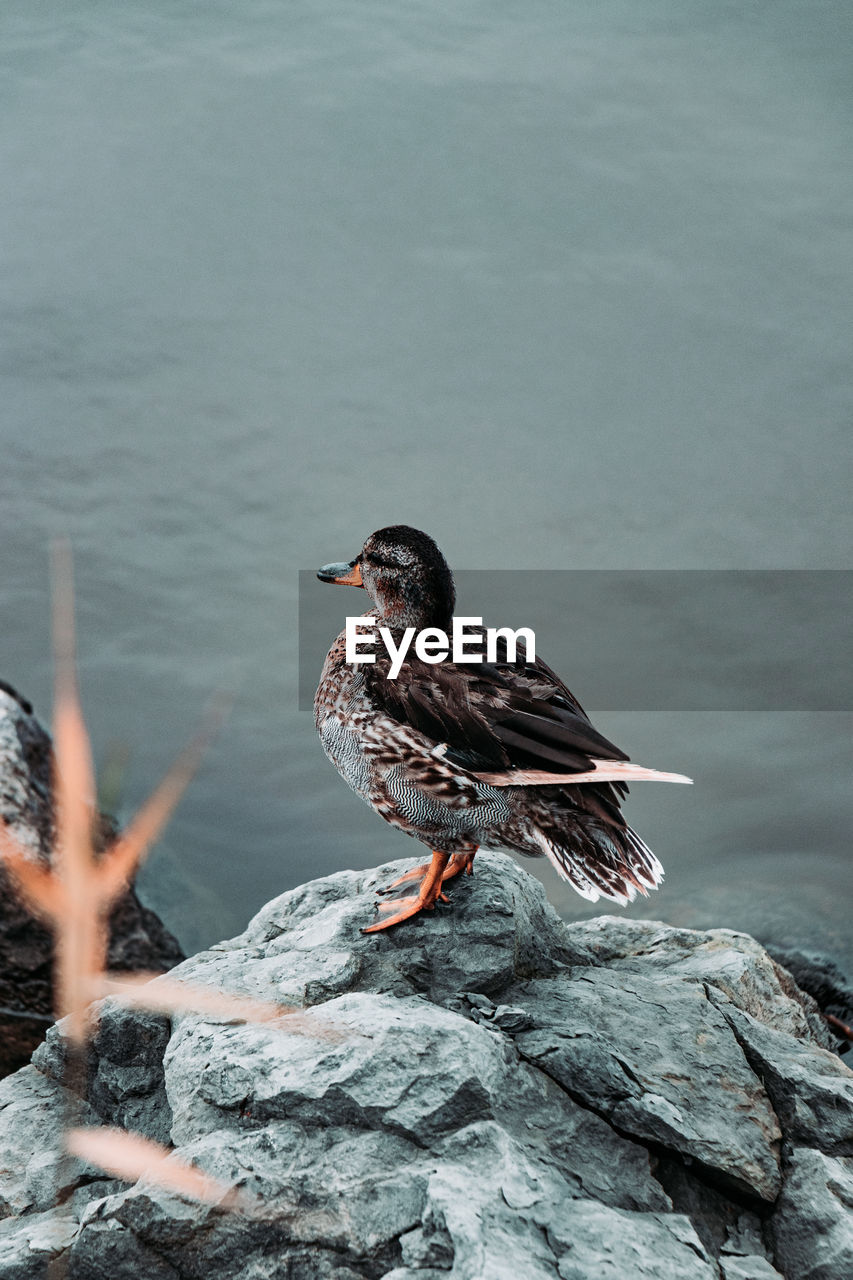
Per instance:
{"type": "Point", "coordinates": [462, 754]}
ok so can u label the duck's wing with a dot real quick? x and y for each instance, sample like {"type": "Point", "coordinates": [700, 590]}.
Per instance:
{"type": "Point", "coordinates": [493, 718]}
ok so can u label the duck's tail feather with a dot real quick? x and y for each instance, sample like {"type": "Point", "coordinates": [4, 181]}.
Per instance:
{"type": "Point", "coordinates": [601, 771]}
{"type": "Point", "coordinates": [604, 862]}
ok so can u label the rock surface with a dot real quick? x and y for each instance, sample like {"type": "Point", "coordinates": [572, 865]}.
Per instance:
{"type": "Point", "coordinates": [484, 1093]}
{"type": "Point", "coordinates": [138, 939]}
{"type": "Point", "coordinates": [821, 977]}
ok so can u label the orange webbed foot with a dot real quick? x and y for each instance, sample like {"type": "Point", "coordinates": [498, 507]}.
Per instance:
{"type": "Point", "coordinates": [404, 909]}
{"type": "Point", "coordinates": [430, 892]}
{"type": "Point", "coordinates": [416, 873]}
{"type": "Point", "coordinates": [459, 862]}
{"type": "Point", "coordinates": [443, 867]}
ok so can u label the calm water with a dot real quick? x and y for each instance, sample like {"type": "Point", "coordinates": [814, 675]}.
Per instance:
{"type": "Point", "coordinates": [566, 285]}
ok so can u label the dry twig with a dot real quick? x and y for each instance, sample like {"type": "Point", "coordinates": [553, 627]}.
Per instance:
{"type": "Point", "coordinates": [129, 1157]}
{"type": "Point", "coordinates": [74, 896]}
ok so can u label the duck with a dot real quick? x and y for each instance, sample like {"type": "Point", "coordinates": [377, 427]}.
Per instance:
{"type": "Point", "coordinates": [492, 752]}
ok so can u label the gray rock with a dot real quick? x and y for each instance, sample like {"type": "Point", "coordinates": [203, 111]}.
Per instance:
{"type": "Point", "coordinates": [659, 1060]}
{"type": "Point", "coordinates": [32, 1166]}
{"type": "Point", "coordinates": [126, 1084]}
{"type": "Point", "coordinates": [511, 1018]}
{"type": "Point", "coordinates": [733, 963]}
{"type": "Point", "coordinates": [307, 947]}
{"type": "Point", "coordinates": [483, 1092]}
{"type": "Point", "coordinates": [461, 1072]}
{"type": "Point", "coordinates": [138, 939]}
{"type": "Point", "coordinates": [409, 1068]}
{"type": "Point", "coordinates": [819, 975]}
{"type": "Point", "coordinates": [751, 1266]}
{"type": "Point", "coordinates": [721, 1223]}
{"type": "Point", "coordinates": [478, 1001]}
{"type": "Point", "coordinates": [810, 1088]}
{"type": "Point", "coordinates": [813, 1223]}
{"type": "Point", "coordinates": [28, 1245]}
{"type": "Point", "coordinates": [594, 1241]}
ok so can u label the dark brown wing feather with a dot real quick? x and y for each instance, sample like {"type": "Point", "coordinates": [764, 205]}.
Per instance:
{"type": "Point", "coordinates": [493, 716]}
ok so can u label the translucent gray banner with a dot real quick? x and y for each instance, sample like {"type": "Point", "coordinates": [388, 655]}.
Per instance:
{"type": "Point", "coordinates": [647, 640]}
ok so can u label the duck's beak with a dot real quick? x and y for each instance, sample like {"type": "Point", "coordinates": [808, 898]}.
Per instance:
{"type": "Point", "coordinates": [345, 575]}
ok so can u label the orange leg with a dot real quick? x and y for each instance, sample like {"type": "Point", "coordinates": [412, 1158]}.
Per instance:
{"type": "Point", "coordinates": [464, 862]}
{"type": "Point", "coordinates": [428, 895]}
{"type": "Point", "coordinates": [458, 863]}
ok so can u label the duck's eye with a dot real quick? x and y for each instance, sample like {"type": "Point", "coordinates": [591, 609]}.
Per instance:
{"type": "Point", "coordinates": [378, 562]}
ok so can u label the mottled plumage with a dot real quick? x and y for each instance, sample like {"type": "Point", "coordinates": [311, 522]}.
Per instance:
{"type": "Point", "coordinates": [464, 755]}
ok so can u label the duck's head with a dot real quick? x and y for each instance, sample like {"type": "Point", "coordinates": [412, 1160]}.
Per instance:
{"type": "Point", "coordinates": [405, 575]}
